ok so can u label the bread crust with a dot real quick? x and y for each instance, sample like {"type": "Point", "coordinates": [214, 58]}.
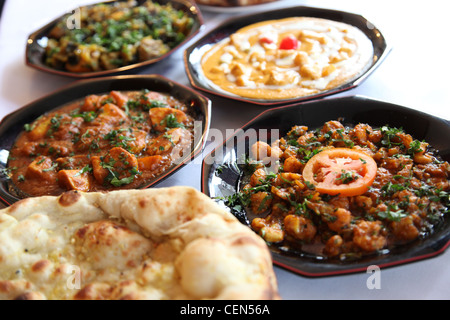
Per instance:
{"type": "Point", "coordinates": [167, 243]}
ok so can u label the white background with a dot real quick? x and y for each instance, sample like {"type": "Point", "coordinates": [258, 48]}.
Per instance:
{"type": "Point", "coordinates": [415, 74]}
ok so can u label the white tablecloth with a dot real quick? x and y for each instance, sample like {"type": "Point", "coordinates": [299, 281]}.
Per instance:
{"type": "Point", "coordinates": [415, 74]}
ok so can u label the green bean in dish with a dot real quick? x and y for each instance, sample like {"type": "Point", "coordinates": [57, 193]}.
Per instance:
{"type": "Point", "coordinates": [113, 35]}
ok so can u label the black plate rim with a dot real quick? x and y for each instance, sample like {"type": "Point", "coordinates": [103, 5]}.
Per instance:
{"type": "Point", "coordinates": [317, 269]}
{"type": "Point", "coordinates": [200, 85]}
{"type": "Point", "coordinates": [14, 118]}
{"type": "Point", "coordinates": [33, 37]}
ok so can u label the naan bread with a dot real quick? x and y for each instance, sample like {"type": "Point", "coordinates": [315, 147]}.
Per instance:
{"type": "Point", "coordinates": [167, 243]}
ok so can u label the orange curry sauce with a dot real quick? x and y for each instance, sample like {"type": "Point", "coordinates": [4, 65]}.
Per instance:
{"type": "Point", "coordinates": [110, 141]}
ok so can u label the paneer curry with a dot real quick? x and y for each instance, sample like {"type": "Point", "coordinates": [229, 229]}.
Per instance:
{"type": "Point", "coordinates": [344, 192]}
{"type": "Point", "coordinates": [287, 58]}
{"type": "Point", "coordinates": [105, 141]}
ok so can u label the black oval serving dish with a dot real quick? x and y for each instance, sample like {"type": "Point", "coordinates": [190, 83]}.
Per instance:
{"type": "Point", "coordinates": [13, 124]}
{"type": "Point", "coordinates": [35, 48]}
{"type": "Point", "coordinates": [194, 53]}
{"type": "Point", "coordinates": [222, 173]}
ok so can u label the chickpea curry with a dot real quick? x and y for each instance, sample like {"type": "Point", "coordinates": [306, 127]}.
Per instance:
{"type": "Point", "coordinates": [113, 35]}
{"type": "Point", "coordinates": [116, 140]}
{"type": "Point", "coordinates": [344, 192]}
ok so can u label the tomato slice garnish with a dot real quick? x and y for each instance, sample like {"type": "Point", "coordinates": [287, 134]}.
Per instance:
{"type": "Point", "coordinates": [289, 43]}
{"type": "Point", "coordinates": [342, 171]}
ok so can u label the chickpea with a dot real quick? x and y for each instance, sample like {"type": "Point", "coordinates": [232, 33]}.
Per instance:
{"type": "Point", "coordinates": [441, 170]}
{"type": "Point", "coordinates": [340, 202]}
{"type": "Point", "coordinates": [363, 202]}
{"type": "Point", "coordinates": [303, 140]}
{"type": "Point", "coordinates": [298, 130]}
{"type": "Point", "coordinates": [257, 177]}
{"type": "Point", "coordinates": [338, 220]}
{"type": "Point", "coordinates": [360, 133]}
{"type": "Point", "coordinates": [375, 136]}
{"type": "Point", "coordinates": [260, 202]}
{"type": "Point", "coordinates": [292, 164]}
{"type": "Point", "coordinates": [422, 158]}
{"type": "Point", "coordinates": [331, 126]}
{"type": "Point", "coordinates": [275, 152]}
{"type": "Point", "coordinates": [367, 235]}
{"type": "Point", "coordinates": [333, 246]}
{"type": "Point", "coordinates": [261, 151]}
{"type": "Point", "coordinates": [282, 193]}
{"type": "Point", "coordinates": [300, 227]}
{"type": "Point", "coordinates": [406, 195]}
{"type": "Point", "coordinates": [406, 171]}
{"type": "Point", "coordinates": [405, 230]}
{"type": "Point", "coordinates": [286, 178]}
{"type": "Point", "coordinates": [270, 231]}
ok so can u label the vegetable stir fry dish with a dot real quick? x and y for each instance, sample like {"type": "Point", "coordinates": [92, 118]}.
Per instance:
{"type": "Point", "coordinates": [114, 35]}
{"type": "Point", "coordinates": [344, 192]}
{"type": "Point", "coordinates": [118, 140]}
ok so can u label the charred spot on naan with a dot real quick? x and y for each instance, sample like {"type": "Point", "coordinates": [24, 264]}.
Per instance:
{"type": "Point", "coordinates": [69, 198]}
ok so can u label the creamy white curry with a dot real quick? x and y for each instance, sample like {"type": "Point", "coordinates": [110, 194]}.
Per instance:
{"type": "Point", "coordinates": [287, 58]}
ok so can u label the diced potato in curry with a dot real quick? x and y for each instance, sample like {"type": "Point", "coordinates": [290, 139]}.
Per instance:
{"type": "Point", "coordinates": [74, 180]}
{"type": "Point", "coordinates": [151, 96]}
{"type": "Point", "coordinates": [73, 162]}
{"type": "Point", "coordinates": [117, 164]}
{"type": "Point", "coordinates": [110, 114]}
{"type": "Point", "coordinates": [42, 168]}
{"type": "Point", "coordinates": [89, 139]}
{"type": "Point", "coordinates": [149, 163]}
{"type": "Point", "coordinates": [93, 102]}
{"type": "Point", "coordinates": [136, 141]}
{"type": "Point", "coordinates": [162, 118]}
{"type": "Point", "coordinates": [166, 141]}
{"type": "Point", "coordinates": [120, 99]}
{"type": "Point", "coordinates": [59, 126]}
{"type": "Point", "coordinates": [39, 130]}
